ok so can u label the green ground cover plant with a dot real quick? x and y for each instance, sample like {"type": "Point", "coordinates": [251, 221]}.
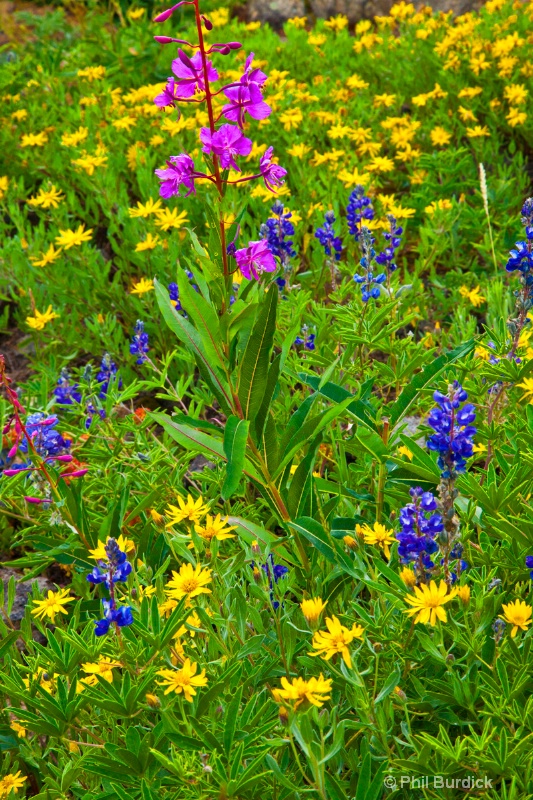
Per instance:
{"type": "Point", "coordinates": [266, 405]}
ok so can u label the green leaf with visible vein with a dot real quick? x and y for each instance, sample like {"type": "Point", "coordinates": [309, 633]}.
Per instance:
{"type": "Point", "coordinates": [253, 371]}
{"type": "Point", "coordinates": [235, 438]}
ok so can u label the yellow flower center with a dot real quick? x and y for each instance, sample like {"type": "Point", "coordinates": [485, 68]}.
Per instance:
{"type": "Point", "coordinates": [189, 585]}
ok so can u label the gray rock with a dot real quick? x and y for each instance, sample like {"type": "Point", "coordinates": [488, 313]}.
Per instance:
{"type": "Point", "coordinates": [22, 591]}
{"type": "Point", "coordinates": [199, 463]}
{"type": "Point", "coordinates": [276, 12]}
{"type": "Point", "coordinates": [353, 9]}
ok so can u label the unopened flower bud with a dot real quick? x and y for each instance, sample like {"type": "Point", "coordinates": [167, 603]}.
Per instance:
{"type": "Point", "coordinates": [350, 542]}
{"type": "Point", "coordinates": [169, 11]}
{"type": "Point", "coordinates": [256, 550]}
{"type": "Point", "coordinates": [207, 23]}
{"type": "Point", "coordinates": [463, 593]}
{"type": "Point", "coordinates": [153, 700]}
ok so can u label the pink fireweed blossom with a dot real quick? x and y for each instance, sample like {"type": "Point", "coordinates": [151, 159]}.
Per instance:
{"type": "Point", "coordinates": [255, 259]}
{"type": "Point", "coordinates": [246, 97]}
{"type": "Point", "coordinates": [180, 171]}
{"type": "Point", "coordinates": [252, 76]}
{"type": "Point", "coordinates": [245, 100]}
{"type": "Point", "coordinates": [273, 174]}
{"type": "Point", "coordinates": [190, 74]}
{"type": "Point", "coordinates": [226, 143]}
{"type": "Point", "coordinates": [167, 96]}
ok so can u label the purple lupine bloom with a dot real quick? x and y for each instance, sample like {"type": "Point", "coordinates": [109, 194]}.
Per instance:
{"type": "Point", "coordinates": [521, 258]}
{"type": "Point", "coordinates": [393, 239]}
{"type": "Point", "coordinates": [174, 294]}
{"type": "Point", "coordinates": [190, 74]}
{"type": "Point", "coordinates": [255, 259]}
{"type": "Point", "coordinates": [117, 568]}
{"type": "Point", "coordinates": [180, 171]}
{"type": "Point", "coordinates": [121, 616]}
{"type": "Point", "coordinates": [327, 237]}
{"type": "Point", "coordinates": [359, 208]}
{"type": "Point", "coordinates": [106, 374]}
{"type": "Point", "coordinates": [453, 428]}
{"type": "Point", "coordinates": [529, 565]}
{"type": "Point", "coordinates": [92, 412]}
{"type": "Point", "coordinates": [66, 393]}
{"type": "Point", "coordinates": [273, 174]}
{"type": "Point", "coordinates": [370, 283]}
{"type": "Point", "coordinates": [420, 524]}
{"type": "Point", "coordinates": [276, 231]}
{"type": "Point", "coordinates": [275, 571]}
{"type": "Point", "coordinates": [139, 343]}
{"type": "Point", "coordinates": [46, 440]}
{"type": "Point", "coordinates": [226, 143]}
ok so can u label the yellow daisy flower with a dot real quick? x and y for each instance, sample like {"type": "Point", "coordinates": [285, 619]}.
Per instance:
{"type": "Point", "coordinates": [379, 536]}
{"type": "Point", "coordinates": [335, 640]}
{"type": "Point", "coordinates": [189, 582]}
{"type": "Point", "coordinates": [53, 604]}
{"type": "Point", "coordinates": [182, 680]}
{"type": "Point", "coordinates": [427, 602]}
{"type": "Point", "coordinates": [190, 510]}
{"type": "Point", "coordinates": [517, 614]}
{"type": "Point", "coordinates": [314, 692]}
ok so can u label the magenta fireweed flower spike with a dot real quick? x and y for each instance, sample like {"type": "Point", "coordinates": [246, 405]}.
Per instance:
{"type": "Point", "coordinates": [222, 144]}
{"type": "Point", "coordinates": [180, 172]}
{"type": "Point", "coordinates": [255, 259]}
{"type": "Point", "coordinates": [226, 143]}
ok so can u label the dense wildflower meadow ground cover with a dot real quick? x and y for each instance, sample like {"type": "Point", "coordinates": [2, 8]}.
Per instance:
{"type": "Point", "coordinates": [266, 405]}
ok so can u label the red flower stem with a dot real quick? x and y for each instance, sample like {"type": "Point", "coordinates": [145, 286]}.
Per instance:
{"type": "Point", "coordinates": [209, 103]}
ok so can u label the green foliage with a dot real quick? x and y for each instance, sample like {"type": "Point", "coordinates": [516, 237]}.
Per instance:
{"type": "Point", "coordinates": [235, 456]}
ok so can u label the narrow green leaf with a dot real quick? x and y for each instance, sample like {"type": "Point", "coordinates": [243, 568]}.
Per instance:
{"type": "Point", "coordinates": [362, 411]}
{"type": "Point", "coordinates": [235, 439]}
{"type": "Point", "coordinates": [272, 381]}
{"type": "Point", "coordinates": [390, 684]}
{"type": "Point", "coordinates": [204, 317]}
{"type": "Point", "coordinates": [301, 480]}
{"type": "Point", "coordinates": [424, 378]}
{"type": "Point", "coordinates": [189, 336]}
{"type": "Point", "coordinates": [253, 371]}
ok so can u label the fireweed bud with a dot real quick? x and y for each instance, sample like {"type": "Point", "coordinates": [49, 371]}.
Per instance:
{"type": "Point", "coordinates": [207, 23]}
{"type": "Point", "coordinates": [169, 11]}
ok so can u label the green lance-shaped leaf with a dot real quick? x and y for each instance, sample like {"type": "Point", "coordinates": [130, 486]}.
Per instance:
{"type": "Point", "coordinates": [362, 411]}
{"type": "Point", "coordinates": [424, 378]}
{"type": "Point", "coordinates": [190, 337]}
{"type": "Point", "coordinates": [204, 317]}
{"type": "Point", "coordinates": [192, 439]}
{"type": "Point", "coordinates": [262, 414]}
{"type": "Point", "coordinates": [235, 438]}
{"type": "Point", "coordinates": [253, 370]}
{"type": "Point", "coordinates": [301, 480]}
